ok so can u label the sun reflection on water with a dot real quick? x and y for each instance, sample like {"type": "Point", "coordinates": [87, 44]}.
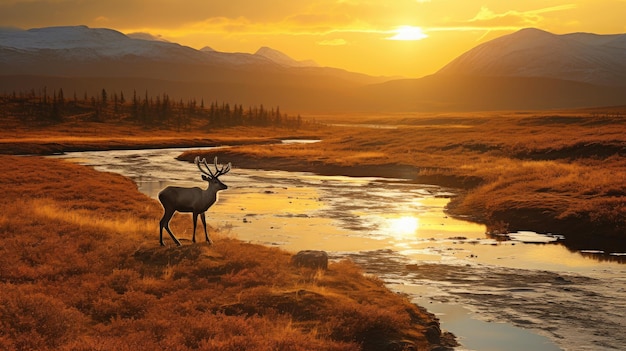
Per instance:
{"type": "Point", "coordinates": [403, 227]}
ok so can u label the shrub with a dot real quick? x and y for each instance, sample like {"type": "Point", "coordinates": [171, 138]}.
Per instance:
{"type": "Point", "coordinates": [33, 320]}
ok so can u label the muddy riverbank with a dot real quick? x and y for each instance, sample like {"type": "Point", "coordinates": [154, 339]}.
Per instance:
{"type": "Point", "coordinates": [580, 312]}
{"type": "Point", "coordinates": [51, 146]}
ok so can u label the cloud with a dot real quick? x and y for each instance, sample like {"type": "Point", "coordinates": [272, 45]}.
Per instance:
{"type": "Point", "coordinates": [333, 42]}
{"type": "Point", "coordinates": [146, 36]}
{"type": "Point", "coordinates": [524, 18]}
{"type": "Point", "coordinates": [488, 20]}
{"type": "Point", "coordinates": [101, 19]}
{"type": "Point", "coordinates": [224, 25]}
{"type": "Point", "coordinates": [318, 19]}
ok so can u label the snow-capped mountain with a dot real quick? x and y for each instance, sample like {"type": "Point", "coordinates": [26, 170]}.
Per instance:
{"type": "Point", "coordinates": [283, 59]}
{"type": "Point", "coordinates": [88, 43]}
{"type": "Point", "coordinates": [61, 38]}
{"type": "Point", "coordinates": [582, 57]}
{"type": "Point", "coordinates": [81, 42]}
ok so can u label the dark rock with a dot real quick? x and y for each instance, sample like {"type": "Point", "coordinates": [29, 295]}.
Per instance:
{"type": "Point", "coordinates": [433, 333]}
{"type": "Point", "coordinates": [442, 348]}
{"type": "Point", "coordinates": [401, 345]}
{"type": "Point", "coordinates": [315, 259]}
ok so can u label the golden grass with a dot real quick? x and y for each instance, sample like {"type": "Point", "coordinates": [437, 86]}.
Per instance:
{"type": "Point", "coordinates": [127, 225]}
{"type": "Point", "coordinates": [84, 135]}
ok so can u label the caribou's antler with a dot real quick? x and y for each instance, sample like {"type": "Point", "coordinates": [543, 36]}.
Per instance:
{"type": "Point", "coordinates": [218, 171]}
{"type": "Point", "coordinates": [205, 172]}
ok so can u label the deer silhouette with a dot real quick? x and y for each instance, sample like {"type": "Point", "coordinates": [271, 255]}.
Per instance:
{"type": "Point", "coordinates": [194, 200]}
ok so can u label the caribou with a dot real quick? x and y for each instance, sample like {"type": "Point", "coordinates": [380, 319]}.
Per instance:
{"type": "Point", "coordinates": [194, 200]}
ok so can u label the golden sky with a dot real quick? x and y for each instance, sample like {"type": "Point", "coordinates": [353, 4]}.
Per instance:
{"type": "Point", "coordinates": [409, 38]}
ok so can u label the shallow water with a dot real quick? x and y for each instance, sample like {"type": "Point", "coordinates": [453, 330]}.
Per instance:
{"type": "Point", "coordinates": [392, 225]}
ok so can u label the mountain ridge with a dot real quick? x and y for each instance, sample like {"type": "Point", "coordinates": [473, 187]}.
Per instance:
{"type": "Point", "coordinates": [515, 71]}
{"type": "Point", "coordinates": [581, 57]}
{"type": "Point", "coordinates": [282, 58]}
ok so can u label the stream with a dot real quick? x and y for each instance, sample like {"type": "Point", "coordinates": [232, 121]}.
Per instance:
{"type": "Point", "coordinates": [526, 293]}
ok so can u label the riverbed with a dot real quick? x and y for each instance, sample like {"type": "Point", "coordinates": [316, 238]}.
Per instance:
{"type": "Point", "coordinates": [529, 293]}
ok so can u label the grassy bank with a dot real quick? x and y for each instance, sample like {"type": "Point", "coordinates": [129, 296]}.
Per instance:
{"type": "Point", "coordinates": [82, 270]}
{"type": "Point", "coordinates": [16, 139]}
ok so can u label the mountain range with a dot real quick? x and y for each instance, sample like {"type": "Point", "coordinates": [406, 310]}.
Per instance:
{"type": "Point", "coordinates": [528, 69]}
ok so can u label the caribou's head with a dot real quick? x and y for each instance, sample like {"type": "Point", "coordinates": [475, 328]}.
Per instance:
{"type": "Point", "coordinates": [211, 177]}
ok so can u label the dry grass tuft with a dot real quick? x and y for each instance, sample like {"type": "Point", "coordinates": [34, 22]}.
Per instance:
{"type": "Point", "coordinates": [127, 226]}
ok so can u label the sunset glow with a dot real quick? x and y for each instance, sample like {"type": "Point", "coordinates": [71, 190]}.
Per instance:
{"type": "Point", "coordinates": [409, 33]}
{"type": "Point", "coordinates": [409, 38]}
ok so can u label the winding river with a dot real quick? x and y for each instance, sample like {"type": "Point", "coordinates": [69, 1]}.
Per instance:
{"type": "Point", "coordinates": [529, 293]}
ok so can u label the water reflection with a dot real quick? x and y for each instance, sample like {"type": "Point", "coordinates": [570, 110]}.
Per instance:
{"type": "Point", "coordinates": [402, 228]}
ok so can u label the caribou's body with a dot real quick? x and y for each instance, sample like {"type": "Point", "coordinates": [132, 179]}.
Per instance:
{"type": "Point", "coordinates": [194, 200]}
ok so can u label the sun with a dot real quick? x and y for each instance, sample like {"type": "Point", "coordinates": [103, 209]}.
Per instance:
{"type": "Point", "coordinates": [408, 33]}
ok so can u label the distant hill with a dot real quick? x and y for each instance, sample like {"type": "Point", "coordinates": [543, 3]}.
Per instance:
{"type": "Point", "coordinates": [529, 69]}
{"type": "Point", "coordinates": [282, 59]}
{"type": "Point", "coordinates": [580, 57]}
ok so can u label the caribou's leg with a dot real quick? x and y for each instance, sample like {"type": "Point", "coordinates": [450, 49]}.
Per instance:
{"type": "Point", "coordinates": [165, 223]}
{"type": "Point", "coordinates": [206, 234]}
{"type": "Point", "coordinates": [195, 222]}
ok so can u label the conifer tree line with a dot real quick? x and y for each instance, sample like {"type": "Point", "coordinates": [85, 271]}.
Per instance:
{"type": "Point", "coordinates": [43, 106]}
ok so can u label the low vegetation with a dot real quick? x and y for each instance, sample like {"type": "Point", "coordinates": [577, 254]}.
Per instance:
{"type": "Point", "coordinates": [41, 106]}
{"type": "Point", "coordinates": [83, 270]}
